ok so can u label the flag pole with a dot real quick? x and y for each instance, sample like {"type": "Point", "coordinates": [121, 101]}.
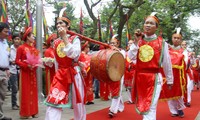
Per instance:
{"type": "Point", "coordinates": [39, 47]}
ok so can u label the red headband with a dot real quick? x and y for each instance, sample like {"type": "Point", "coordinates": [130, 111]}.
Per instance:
{"type": "Point", "coordinates": [155, 18]}
{"type": "Point", "coordinates": [65, 19]}
{"type": "Point", "coordinates": [52, 36]}
{"type": "Point", "coordinates": [28, 30]}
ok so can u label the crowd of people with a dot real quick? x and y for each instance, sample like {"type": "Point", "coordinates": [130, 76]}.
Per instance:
{"type": "Point", "coordinates": [153, 69]}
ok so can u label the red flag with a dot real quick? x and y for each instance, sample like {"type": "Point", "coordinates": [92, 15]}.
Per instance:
{"type": "Point", "coordinates": [4, 16]}
{"type": "Point", "coordinates": [28, 16]}
{"type": "Point", "coordinates": [99, 26]}
{"type": "Point", "coordinates": [111, 30]}
{"type": "Point", "coordinates": [81, 22]}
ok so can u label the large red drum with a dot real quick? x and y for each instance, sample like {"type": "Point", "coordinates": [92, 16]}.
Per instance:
{"type": "Point", "coordinates": [107, 65]}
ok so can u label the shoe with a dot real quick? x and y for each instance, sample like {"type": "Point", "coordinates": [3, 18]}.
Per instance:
{"type": "Point", "coordinates": [23, 117]}
{"type": "Point", "coordinates": [181, 113]}
{"type": "Point", "coordinates": [119, 111]}
{"type": "Point", "coordinates": [104, 99]}
{"type": "Point", "coordinates": [88, 103]}
{"type": "Point", "coordinates": [111, 114]}
{"type": "Point", "coordinates": [6, 118]}
{"type": "Point", "coordinates": [187, 104]}
{"type": "Point", "coordinates": [129, 102]}
{"type": "Point", "coordinates": [174, 115]}
{"type": "Point", "coordinates": [16, 107]}
{"type": "Point", "coordinates": [35, 116]}
{"type": "Point", "coordinates": [97, 97]}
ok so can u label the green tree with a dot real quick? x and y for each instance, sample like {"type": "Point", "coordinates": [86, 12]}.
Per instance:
{"type": "Point", "coordinates": [68, 12]}
{"type": "Point", "coordinates": [16, 13]}
{"type": "Point", "coordinates": [175, 13]}
{"type": "Point", "coordinates": [172, 14]}
{"type": "Point", "coordinates": [120, 8]}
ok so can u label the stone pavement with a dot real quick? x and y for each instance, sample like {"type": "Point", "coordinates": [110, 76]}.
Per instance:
{"type": "Point", "coordinates": [198, 116]}
{"type": "Point", "coordinates": [67, 113]}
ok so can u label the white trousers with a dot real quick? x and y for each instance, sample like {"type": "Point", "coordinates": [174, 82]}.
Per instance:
{"type": "Point", "coordinates": [190, 86]}
{"type": "Point", "coordinates": [117, 104]}
{"type": "Point", "coordinates": [53, 113]}
{"type": "Point", "coordinates": [129, 94]}
{"type": "Point", "coordinates": [79, 109]}
{"type": "Point", "coordinates": [175, 105]}
{"type": "Point", "coordinates": [152, 112]}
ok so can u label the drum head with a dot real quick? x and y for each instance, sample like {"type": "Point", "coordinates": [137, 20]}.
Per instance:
{"type": "Point", "coordinates": [116, 66]}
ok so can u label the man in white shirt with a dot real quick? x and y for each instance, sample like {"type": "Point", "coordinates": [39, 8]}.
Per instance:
{"type": "Point", "coordinates": [4, 66]}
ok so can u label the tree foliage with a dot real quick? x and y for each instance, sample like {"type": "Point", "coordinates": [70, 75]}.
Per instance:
{"type": "Point", "coordinates": [16, 13]}
{"type": "Point", "coordinates": [172, 14]}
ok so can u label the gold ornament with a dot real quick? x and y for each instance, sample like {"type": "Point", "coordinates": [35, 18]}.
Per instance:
{"type": "Point", "coordinates": [194, 65]}
{"type": "Point", "coordinates": [8, 49]}
{"type": "Point", "coordinates": [146, 53]}
{"type": "Point", "coordinates": [59, 50]}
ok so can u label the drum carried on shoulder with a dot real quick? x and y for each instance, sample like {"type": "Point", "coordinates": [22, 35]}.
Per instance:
{"type": "Point", "coordinates": [107, 65]}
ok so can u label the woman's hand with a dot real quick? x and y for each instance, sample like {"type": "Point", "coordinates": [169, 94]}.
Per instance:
{"type": "Point", "coordinates": [31, 67]}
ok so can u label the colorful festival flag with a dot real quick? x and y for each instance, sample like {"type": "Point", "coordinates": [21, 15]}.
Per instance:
{"type": "Point", "coordinates": [128, 36]}
{"type": "Point", "coordinates": [45, 27]}
{"type": "Point", "coordinates": [4, 17]}
{"type": "Point", "coordinates": [28, 16]}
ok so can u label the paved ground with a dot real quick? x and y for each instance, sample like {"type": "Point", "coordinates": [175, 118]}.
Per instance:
{"type": "Point", "coordinates": [67, 113]}
{"type": "Point", "coordinates": [198, 116]}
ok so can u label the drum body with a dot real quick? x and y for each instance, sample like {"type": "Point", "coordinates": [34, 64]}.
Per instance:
{"type": "Point", "coordinates": [107, 65]}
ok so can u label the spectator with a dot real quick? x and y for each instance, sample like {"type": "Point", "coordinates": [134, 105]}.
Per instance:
{"type": "Point", "coordinates": [14, 71]}
{"type": "Point", "coordinates": [4, 66]}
